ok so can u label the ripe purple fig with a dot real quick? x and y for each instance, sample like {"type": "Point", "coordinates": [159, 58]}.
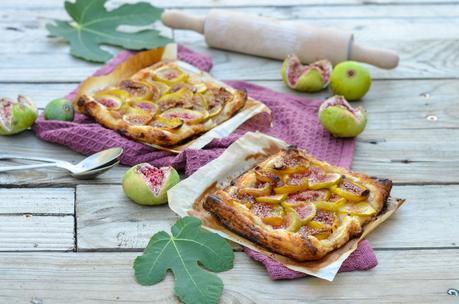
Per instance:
{"type": "Point", "coordinates": [147, 185]}
{"type": "Point", "coordinates": [306, 78]}
{"type": "Point", "coordinates": [340, 119]}
{"type": "Point", "coordinates": [16, 116]}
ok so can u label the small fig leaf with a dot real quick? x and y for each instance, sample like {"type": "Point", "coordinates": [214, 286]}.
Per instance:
{"type": "Point", "coordinates": [93, 25]}
{"type": "Point", "coordinates": [182, 252]}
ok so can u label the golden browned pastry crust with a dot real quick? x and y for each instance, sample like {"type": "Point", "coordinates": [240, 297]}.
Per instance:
{"type": "Point", "coordinates": [331, 222]}
{"type": "Point", "coordinates": [143, 126]}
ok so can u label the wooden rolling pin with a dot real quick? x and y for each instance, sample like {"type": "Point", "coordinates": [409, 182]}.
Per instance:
{"type": "Point", "coordinates": [276, 39]}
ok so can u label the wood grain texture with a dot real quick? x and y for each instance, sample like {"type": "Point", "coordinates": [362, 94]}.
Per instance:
{"type": "Point", "coordinates": [417, 276]}
{"type": "Point", "coordinates": [37, 200]}
{"type": "Point", "coordinates": [36, 233]}
{"type": "Point", "coordinates": [106, 219]}
{"type": "Point", "coordinates": [426, 49]}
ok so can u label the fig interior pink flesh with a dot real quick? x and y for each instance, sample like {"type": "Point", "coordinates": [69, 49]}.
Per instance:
{"type": "Point", "coordinates": [6, 112]}
{"type": "Point", "coordinates": [296, 69]}
{"type": "Point", "coordinates": [310, 195]}
{"type": "Point", "coordinates": [303, 211]}
{"type": "Point", "coordinates": [341, 102]}
{"type": "Point", "coordinates": [153, 176]}
{"type": "Point", "coordinates": [110, 103]}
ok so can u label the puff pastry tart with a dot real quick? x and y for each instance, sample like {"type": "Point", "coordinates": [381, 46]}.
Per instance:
{"type": "Point", "coordinates": [297, 206]}
{"type": "Point", "coordinates": [162, 105]}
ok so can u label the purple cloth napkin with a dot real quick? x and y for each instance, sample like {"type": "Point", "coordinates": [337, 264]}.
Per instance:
{"type": "Point", "coordinates": [294, 120]}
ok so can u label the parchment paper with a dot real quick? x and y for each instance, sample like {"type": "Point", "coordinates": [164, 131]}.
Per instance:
{"type": "Point", "coordinates": [147, 58]}
{"type": "Point", "coordinates": [187, 196]}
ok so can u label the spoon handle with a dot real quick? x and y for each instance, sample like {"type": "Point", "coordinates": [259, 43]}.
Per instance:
{"type": "Point", "coordinates": [25, 167]}
{"type": "Point", "coordinates": [12, 156]}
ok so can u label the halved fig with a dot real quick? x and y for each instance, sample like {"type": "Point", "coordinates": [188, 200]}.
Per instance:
{"type": "Point", "coordinates": [140, 90]}
{"type": "Point", "coordinates": [167, 123]}
{"type": "Point", "coordinates": [309, 196]}
{"type": "Point", "coordinates": [293, 183]}
{"type": "Point", "coordinates": [16, 115]}
{"type": "Point", "coordinates": [162, 87]}
{"type": "Point", "coordinates": [169, 75]}
{"type": "Point", "coordinates": [176, 87]}
{"type": "Point", "coordinates": [267, 177]}
{"type": "Point", "coordinates": [249, 185]}
{"type": "Point", "coordinates": [138, 119]}
{"type": "Point", "coordinates": [196, 82]}
{"type": "Point", "coordinates": [321, 226]}
{"type": "Point", "coordinates": [329, 206]}
{"type": "Point", "coordinates": [322, 181]}
{"type": "Point", "coordinates": [360, 209]}
{"type": "Point", "coordinates": [199, 103]}
{"type": "Point", "coordinates": [291, 221]}
{"type": "Point", "coordinates": [307, 78]}
{"type": "Point", "coordinates": [282, 166]}
{"type": "Point", "coordinates": [271, 199]}
{"type": "Point", "coordinates": [339, 118]}
{"type": "Point", "coordinates": [187, 115]}
{"type": "Point", "coordinates": [111, 98]}
{"type": "Point", "coordinates": [183, 98]}
{"type": "Point", "coordinates": [305, 211]}
{"type": "Point", "coordinates": [319, 233]}
{"type": "Point", "coordinates": [148, 185]}
{"type": "Point", "coordinates": [145, 106]}
{"type": "Point", "coordinates": [216, 99]}
{"type": "Point", "coordinates": [261, 190]}
{"type": "Point", "coordinates": [351, 191]}
{"type": "Point", "coordinates": [269, 214]}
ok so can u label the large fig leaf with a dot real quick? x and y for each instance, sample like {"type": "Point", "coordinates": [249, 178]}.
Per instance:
{"type": "Point", "coordinates": [93, 25]}
{"type": "Point", "coordinates": [181, 252]}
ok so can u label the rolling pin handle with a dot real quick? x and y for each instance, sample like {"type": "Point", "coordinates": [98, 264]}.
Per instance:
{"type": "Point", "coordinates": [386, 59]}
{"type": "Point", "coordinates": [179, 20]}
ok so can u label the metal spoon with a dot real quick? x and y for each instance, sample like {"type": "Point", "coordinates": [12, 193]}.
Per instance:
{"type": "Point", "coordinates": [89, 167]}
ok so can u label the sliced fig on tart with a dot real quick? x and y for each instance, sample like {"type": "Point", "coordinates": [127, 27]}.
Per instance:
{"type": "Point", "coordinates": [305, 211]}
{"type": "Point", "coordinates": [350, 190]}
{"type": "Point", "coordinates": [269, 214]}
{"type": "Point", "coordinates": [112, 99]}
{"type": "Point", "coordinates": [138, 119]}
{"type": "Point", "coordinates": [186, 115]}
{"type": "Point", "coordinates": [183, 98]}
{"type": "Point", "coordinates": [216, 99]}
{"type": "Point", "coordinates": [145, 106]}
{"type": "Point", "coordinates": [271, 199]}
{"type": "Point", "coordinates": [167, 123]}
{"type": "Point", "coordinates": [140, 90]}
{"type": "Point", "coordinates": [326, 180]}
{"type": "Point", "coordinates": [169, 75]}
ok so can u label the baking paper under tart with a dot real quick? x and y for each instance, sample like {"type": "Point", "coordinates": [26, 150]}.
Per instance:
{"type": "Point", "coordinates": [147, 58]}
{"type": "Point", "coordinates": [186, 198]}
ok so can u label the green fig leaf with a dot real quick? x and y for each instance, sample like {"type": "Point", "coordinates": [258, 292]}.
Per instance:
{"type": "Point", "coordinates": [93, 25]}
{"type": "Point", "coordinates": [184, 252]}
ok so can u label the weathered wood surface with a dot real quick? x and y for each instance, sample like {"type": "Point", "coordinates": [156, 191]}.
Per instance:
{"type": "Point", "coordinates": [414, 276]}
{"type": "Point", "coordinates": [108, 220]}
{"type": "Point", "coordinates": [30, 232]}
{"type": "Point", "coordinates": [412, 138]}
{"type": "Point", "coordinates": [426, 49]}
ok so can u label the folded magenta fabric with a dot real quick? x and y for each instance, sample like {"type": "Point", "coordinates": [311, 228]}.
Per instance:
{"type": "Point", "coordinates": [294, 120]}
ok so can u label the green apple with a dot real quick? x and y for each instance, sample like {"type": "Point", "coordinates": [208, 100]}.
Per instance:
{"type": "Point", "coordinates": [340, 119]}
{"type": "Point", "coordinates": [59, 109]}
{"type": "Point", "coordinates": [351, 80]}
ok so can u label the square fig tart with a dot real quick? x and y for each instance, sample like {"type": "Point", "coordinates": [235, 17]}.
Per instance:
{"type": "Point", "coordinates": [297, 206]}
{"type": "Point", "coordinates": [162, 104]}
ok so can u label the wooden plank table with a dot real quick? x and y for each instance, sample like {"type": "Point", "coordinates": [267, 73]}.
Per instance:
{"type": "Point", "coordinates": [69, 241]}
